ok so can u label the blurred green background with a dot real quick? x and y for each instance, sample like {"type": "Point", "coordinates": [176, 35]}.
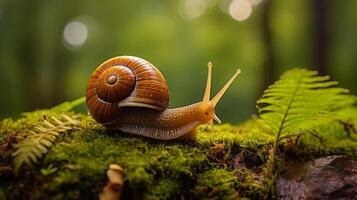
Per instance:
{"type": "Point", "coordinates": [48, 49]}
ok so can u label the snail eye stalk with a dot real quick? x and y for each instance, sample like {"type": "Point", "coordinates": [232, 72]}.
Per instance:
{"type": "Point", "coordinates": [220, 94]}
{"type": "Point", "coordinates": [207, 93]}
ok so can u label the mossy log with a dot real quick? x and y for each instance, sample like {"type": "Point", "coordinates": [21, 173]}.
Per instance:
{"type": "Point", "coordinates": [227, 162]}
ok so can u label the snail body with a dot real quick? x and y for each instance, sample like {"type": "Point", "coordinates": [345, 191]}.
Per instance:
{"type": "Point", "coordinates": [130, 94]}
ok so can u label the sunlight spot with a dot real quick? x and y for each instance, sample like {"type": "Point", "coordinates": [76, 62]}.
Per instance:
{"type": "Point", "coordinates": [255, 2]}
{"type": "Point", "coordinates": [194, 8]}
{"type": "Point", "coordinates": [224, 5]}
{"type": "Point", "coordinates": [75, 33]}
{"type": "Point", "coordinates": [240, 10]}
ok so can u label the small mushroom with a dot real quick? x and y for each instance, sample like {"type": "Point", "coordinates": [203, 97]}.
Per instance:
{"type": "Point", "coordinates": [113, 189]}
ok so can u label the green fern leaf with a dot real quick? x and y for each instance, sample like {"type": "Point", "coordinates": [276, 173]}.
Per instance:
{"type": "Point", "coordinates": [300, 100]}
{"type": "Point", "coordinates": [40, 139]}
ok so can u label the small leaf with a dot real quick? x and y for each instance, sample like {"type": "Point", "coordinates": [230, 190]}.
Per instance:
{"type": "Point", "coordinates": [40, 139]}
{"type": "Point", "coordinates": [58, 122]}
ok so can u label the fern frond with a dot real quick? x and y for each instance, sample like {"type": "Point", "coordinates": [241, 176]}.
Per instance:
{"type": "Point", "coordinates": [40, 139]}
{"type": "Point", "coordinates": [297, 103]}
{"type": "Point", "coordinates": [300, 100]}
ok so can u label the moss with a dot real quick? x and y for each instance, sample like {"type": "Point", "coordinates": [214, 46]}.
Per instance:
{"type": "Point", "coordinates": [228, 184]}
{"type": "Point", "coordinates": [216, 183]}
{"type": "Point", "coordinates": [230, 135]}
{"type": "Point", "coordinates": [329, 139]}
{"type": "Point", "coordinates": [227, 163]}
{"type": "Point", "coordinates": [164, 189]}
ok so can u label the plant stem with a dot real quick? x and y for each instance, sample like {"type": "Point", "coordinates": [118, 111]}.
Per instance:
{"type": "Point", "coordinates": [271, 160]}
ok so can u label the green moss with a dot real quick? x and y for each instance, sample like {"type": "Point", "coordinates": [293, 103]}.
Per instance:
{"type": "Point", "coordinates": [227, 162]}
{"type": "Point", "coordinates": [228, 134]}
{"type": "Point", "coordinates": [88, 154]}
{"type": "Point", "coordinates": [330, 138]}
{"type": "Point", "coordinates": [164, 189]}
{"type": "Point", "coordinates": [216, 183]}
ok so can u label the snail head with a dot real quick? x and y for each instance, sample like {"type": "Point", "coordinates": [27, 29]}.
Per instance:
{"type": "Point", "coordinates": [207, 106]}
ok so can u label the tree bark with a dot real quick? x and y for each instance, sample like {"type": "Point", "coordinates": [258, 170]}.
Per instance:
{"type": "Point", "coordinates": [269, 62]}
{"type": "Point", "coordinates": [320, 35]}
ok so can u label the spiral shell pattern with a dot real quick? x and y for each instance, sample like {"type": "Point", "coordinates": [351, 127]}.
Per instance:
{"type": "Point", "coordinates": [125, 81]}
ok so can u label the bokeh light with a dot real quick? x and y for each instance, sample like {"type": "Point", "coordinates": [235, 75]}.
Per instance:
{"type": "Point", "coordinates": [193, 8]}
{"type": "Point", "coordinates": [254, 2]}
{"type": "Point", "coordinates": [75, 33]}
{"type": "Point", "coordinates": [224, 5]}
{"type": "Point", "coordinates": [240, 10]}
{"type": "Point", "coordinates": [49, 57]}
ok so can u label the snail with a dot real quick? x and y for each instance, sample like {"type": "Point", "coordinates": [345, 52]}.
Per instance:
{"type": "Point", "coordinates": [130, 94]}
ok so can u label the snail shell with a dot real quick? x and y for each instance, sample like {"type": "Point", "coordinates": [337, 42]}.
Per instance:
{"type": "Point", "coordinates": [125, 81]}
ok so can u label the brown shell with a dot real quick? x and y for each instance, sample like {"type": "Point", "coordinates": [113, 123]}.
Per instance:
{"type": "Point", "coordinates": [125, 81]}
